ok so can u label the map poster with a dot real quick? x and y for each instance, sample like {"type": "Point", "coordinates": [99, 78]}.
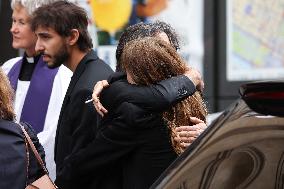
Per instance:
{"type": "Point", "coordinates": [255, 40]}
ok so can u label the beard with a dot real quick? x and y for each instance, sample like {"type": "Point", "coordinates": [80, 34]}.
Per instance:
{"type": "Point", "coordinates": [60, 58]}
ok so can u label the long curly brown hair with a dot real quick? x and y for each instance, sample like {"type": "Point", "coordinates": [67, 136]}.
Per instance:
{"type": "Point", "coordinates": [6, 98]}
{"type": "Point", "coordinates": [150, 60]}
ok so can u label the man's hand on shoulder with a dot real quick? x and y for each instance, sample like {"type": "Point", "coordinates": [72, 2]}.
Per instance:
{"type": "Point", "coordinates": [195, 76]}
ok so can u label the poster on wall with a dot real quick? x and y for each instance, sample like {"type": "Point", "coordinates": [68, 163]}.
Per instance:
{"type": "Point", "coordinates": [186, 17]}
{"type": "Point", "coordinates": [108, 19]}
{"type": "Point", "coordinates": [255, 40]}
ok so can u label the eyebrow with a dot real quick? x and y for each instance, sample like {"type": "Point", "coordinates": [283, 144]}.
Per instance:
{"type": "Point", "coordinates": [43, 34]}
{"type": "Point", "coordinates": [21, 19]}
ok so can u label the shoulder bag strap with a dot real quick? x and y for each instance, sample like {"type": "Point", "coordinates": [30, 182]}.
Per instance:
{"type": "Point", "coordinates": [28, 159]}
{"type": "Point", "coordinates": [31, 144]}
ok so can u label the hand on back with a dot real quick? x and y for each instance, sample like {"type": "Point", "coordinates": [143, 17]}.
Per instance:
{"type": "Point", "coordinates": [100, 85]}
{"type": "Point", "coordinates": [187, 134]}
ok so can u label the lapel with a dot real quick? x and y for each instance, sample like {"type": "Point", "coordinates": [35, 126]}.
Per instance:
{"type": "Point", "coordinates": [88, 58]}
{"type": "Point", "coordinates": [91, 56]}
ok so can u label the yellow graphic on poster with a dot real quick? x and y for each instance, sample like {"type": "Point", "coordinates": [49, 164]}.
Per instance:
{"type": "Point", "coordinates": [109, 18]}
{"type": "Point", "coordinates": [111, 15]}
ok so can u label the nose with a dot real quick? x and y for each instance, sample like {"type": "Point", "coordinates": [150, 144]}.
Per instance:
{"type": "Point", "coordinates": [14, 28]}
{"type": "Point", "coordinates": [39, 46]}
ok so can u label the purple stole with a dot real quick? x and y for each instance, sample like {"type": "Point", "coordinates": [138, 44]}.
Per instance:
{"type": "Point", "coordinates": [38, 95]}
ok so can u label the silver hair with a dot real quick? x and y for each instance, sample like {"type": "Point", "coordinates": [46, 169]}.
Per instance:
{"type": "Point", "coordinates": [30, 5]}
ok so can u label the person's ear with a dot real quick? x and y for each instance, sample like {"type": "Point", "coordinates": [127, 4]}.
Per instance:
{"type": "Point", "coordinates": [74, 36]}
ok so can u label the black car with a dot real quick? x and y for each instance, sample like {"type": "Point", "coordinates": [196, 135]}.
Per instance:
{"type": "Point", "coordinates": [242, 148]}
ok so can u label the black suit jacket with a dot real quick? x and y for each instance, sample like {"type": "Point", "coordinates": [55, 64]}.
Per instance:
{"type": "Point", "coordinates": [77, 122]}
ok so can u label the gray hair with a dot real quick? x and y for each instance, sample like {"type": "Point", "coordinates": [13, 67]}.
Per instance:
{"type": "Point", "coordinates": [30, 5]}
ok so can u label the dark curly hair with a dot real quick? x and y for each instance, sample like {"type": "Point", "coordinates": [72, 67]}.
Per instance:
{"type": "Point", "coordinates": [63, 16]}
{"type": "Point", "coordinates": [142, 30]}
{"type": "Point", "coordinates": [159, 26]}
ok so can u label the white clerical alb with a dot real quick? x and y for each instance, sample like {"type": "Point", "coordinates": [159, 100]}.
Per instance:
{"type": "Point", "coordinates": [59, 88]}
